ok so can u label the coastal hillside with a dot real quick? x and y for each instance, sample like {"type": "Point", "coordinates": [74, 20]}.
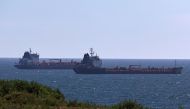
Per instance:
{"type": "Point", "coordinates": [17, 94]}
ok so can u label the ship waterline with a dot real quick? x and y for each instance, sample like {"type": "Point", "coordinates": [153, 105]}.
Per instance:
{"type": "Point", "coordinates": [176, 70]}
{"type": "Point", "coordinates": [64, 65]}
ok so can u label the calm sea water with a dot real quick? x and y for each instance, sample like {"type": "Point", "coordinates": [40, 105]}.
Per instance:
{"type": "Point", "coordinates": [156, 91]}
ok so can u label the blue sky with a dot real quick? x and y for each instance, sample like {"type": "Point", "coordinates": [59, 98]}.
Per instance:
{"type": "Point", "coordinates": [131, 29]}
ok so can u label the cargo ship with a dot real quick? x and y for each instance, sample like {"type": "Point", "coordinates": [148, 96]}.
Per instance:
{"type": "Point", "coordinates": [32, 61]}
{"type": "Point", "coordinates": [91, 64]}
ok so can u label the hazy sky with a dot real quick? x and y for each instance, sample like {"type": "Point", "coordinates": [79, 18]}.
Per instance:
{"type": "Point", "coordinates": [114, 28]}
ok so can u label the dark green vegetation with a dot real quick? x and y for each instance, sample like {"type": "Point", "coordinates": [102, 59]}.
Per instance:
{"type": "Point", "coordinates": [17, 94]}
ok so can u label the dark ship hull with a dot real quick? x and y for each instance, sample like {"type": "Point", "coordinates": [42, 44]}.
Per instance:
{"type": "Point", "coordinates": [86, 70]}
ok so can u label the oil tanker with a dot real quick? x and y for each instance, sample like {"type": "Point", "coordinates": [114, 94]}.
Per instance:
{"type": "Point", "coordinates": [31, 61]}
{"type": "Point", "coordinates": [91, 64]}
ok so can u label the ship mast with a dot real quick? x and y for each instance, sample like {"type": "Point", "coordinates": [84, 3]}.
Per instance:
{"type": "Point", "coordinates": [30, 50]}
{"type": "Point", "coordinates": [91, 52]}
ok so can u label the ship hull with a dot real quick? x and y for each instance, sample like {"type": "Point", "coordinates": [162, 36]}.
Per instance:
{"type": "Point", "coordinates": [126, 71]}
{"type": "Point", "coordinates": [44, 67]}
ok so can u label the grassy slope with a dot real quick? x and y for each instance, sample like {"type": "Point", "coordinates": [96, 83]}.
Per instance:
{"type": "Point", "coordinates": [17, 94]}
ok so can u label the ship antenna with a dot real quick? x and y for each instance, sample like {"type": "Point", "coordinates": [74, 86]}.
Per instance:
{"type": "Point", "coordinates": [30, 50]}
{"type": "Point", "coordinates": [91, 52]}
